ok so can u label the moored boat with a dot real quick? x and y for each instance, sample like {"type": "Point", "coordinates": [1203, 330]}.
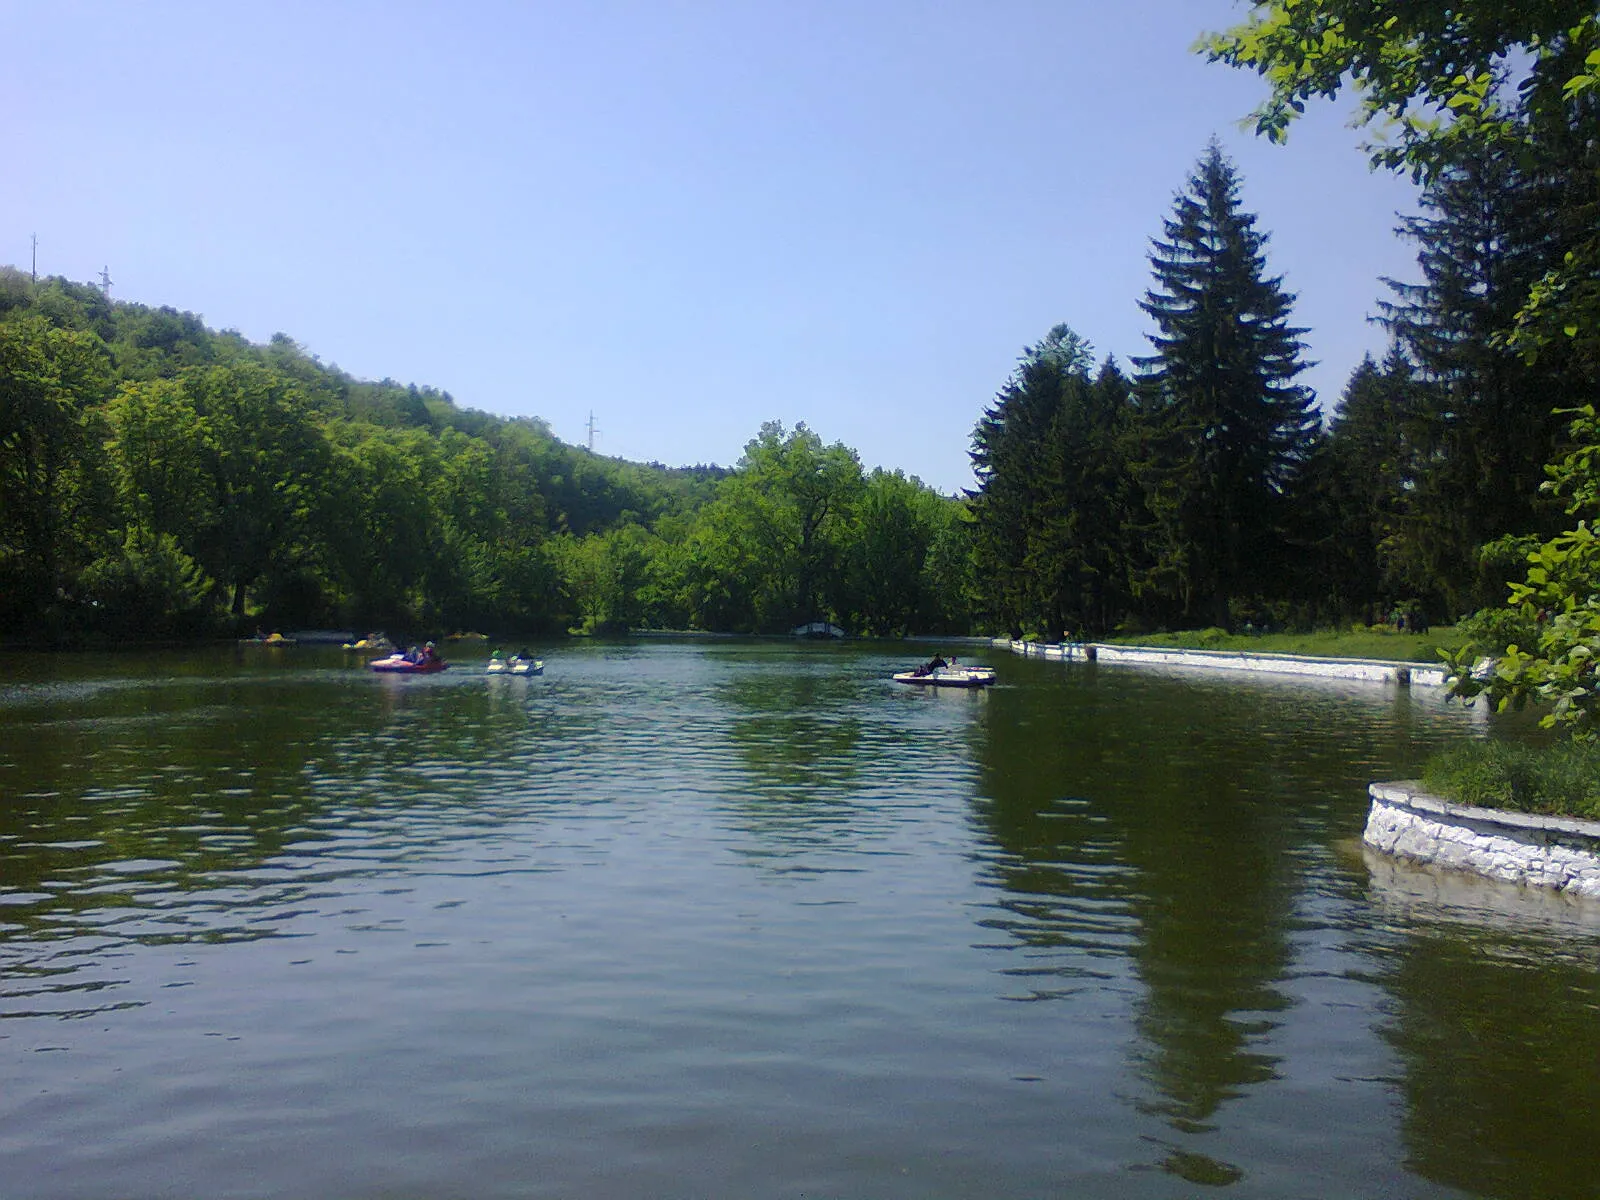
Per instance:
{"type": "Point", "coordinates": [373, 641]}
{"type": "Point", "coordinates": [817, 629]}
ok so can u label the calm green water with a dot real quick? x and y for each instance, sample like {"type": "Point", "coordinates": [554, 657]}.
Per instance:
{"type": "Point", "coordinates": [745, 919]}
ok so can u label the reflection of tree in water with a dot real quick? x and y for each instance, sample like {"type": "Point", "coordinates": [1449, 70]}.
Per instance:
{"type": "Point", "coordinates": [1501, 1046]}
{"type": "Point", "coordinates": [1214, 900]}
{"type": "Point", "coordinates": [797, 736]}
{"type": "Point", "coordinates": [796, 732]}
{"type": "Point", "coordinates": [1134, 828]}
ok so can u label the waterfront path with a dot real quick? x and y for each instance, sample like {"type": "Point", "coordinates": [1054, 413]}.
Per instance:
{"type": "Point", "coordinates": [1402, 674]}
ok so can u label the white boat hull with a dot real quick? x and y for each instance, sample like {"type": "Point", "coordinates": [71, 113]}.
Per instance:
{"type": "Point", "coordinates": [958, 677]}
{"type": "Point", "coordinates": [515, 666]}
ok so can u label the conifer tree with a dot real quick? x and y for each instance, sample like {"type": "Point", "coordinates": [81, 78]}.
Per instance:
{"type": "Point", "coordinates": [1485, 235]}
{"type": "Point", "coordinates": [1075, 534]}
{"type": "Point", "coordinates": [1369, 468]}
{"type": "Point", "coordinates": [1228, 432]}
{"type": "Point", "coordinates": [1010, 449]}
{"type": "Point", "coordinates": [1050, 516]}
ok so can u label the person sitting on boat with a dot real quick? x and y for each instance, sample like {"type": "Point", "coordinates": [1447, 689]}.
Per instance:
{"type": "Point", "coordinates": [937, 663]}
{"type": "Point", "coordinates": [428, 653]}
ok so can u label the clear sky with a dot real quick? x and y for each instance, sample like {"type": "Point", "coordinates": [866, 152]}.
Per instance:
{"type": "Point", "coordinates": [686, 217]}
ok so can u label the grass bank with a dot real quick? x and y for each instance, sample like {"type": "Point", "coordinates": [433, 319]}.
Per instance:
{"type": "Point", "coordinates": [1385, 645]}
{"type": "Point", "coordinates": [1561, 780]}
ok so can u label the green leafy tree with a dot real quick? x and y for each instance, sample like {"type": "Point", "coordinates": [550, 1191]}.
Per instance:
{"type": "Point", "coordinates": [1560, 600]}
{"type": "Point", "coordinates": [950, 591]}
{"type": "Point", "coordinates": [1228, 431]}
{"type": "Point", "coordinates": [782, 519]}
{"type": "Point", "coordinates": [895, 523]}
{"type": "Point", "coordinates": [266, 461]}
{"type": "Point", "coordinates": [719, 571]}
{"type": "Point", "coordinates": [1444, 82]}
{"type": "Point", "coordinates": [156, 450]}
{"type": "Point", "coordinates": [603, 575]}
{"type": "Point", "coordinates": [1431, 74]}
{"type": "Point", "coordinates": [378, 521]}
{"type": "Point", "coordinates": [51, 467]}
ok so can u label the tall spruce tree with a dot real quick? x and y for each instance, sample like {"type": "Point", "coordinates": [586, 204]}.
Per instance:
{"type": "Point", "coordinates": [1228, 431]}
{"type": "Point", "coordinates": [1010, 457]}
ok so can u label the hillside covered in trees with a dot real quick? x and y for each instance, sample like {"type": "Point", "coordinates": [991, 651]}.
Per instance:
{"type": "Point", "coordinates": [159, 479]}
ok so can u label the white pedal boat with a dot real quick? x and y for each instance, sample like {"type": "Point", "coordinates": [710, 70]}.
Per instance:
{"type": "Point", "coordinates": [960, 677]}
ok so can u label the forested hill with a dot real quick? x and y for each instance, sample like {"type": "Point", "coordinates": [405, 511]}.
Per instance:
{"type": "Point", "coordinates": [162, 479]}
{"type": "Point", "coordinates": [582, 491]}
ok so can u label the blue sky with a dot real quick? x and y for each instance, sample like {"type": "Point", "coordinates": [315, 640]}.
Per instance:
{"type": "Point", "coordinates": [685, 217]}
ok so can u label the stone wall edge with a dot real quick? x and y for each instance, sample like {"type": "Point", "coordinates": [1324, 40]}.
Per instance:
{"type": "Point", "coordinates": [1561, 853]}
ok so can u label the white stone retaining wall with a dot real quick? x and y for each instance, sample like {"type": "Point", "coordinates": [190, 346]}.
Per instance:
{"type": "Point", "coordinates": [1549, 852]}
{"type": "Point", "coordinates": [1372, 670]}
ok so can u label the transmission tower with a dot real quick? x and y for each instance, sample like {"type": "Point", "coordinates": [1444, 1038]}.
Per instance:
{"type": "Point", "coordinates": [105, 281]}
{"type": "Point", "coordinates": [592, 430]}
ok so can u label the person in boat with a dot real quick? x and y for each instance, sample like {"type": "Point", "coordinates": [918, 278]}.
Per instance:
{"type": "Point", "coordinates": [428, 654]}
{"type": "Point", "coordinates": [936, 663]}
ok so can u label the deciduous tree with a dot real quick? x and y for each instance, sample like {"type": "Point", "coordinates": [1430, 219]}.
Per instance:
{"type": "Point", "coordinates": [51, 382]}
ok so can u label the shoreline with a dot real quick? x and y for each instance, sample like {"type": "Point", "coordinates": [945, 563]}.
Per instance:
{"type": "Point", "coordinates": [1370, 670]}
{"type": "Point", "coordinates": [1560, 854]}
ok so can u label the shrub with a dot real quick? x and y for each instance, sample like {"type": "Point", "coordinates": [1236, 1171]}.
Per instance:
{"type": "Point", "coordinates": [1491, 630]}
{"type": "Point", "coordinates": [148, 587]}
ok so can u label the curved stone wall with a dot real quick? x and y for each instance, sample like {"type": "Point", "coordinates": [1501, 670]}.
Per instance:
{"type": "Point", "coordinates": [1549, 852]}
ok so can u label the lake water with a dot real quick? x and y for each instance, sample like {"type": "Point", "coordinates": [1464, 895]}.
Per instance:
{"type": "Point", "coordinates": [746, 919]}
